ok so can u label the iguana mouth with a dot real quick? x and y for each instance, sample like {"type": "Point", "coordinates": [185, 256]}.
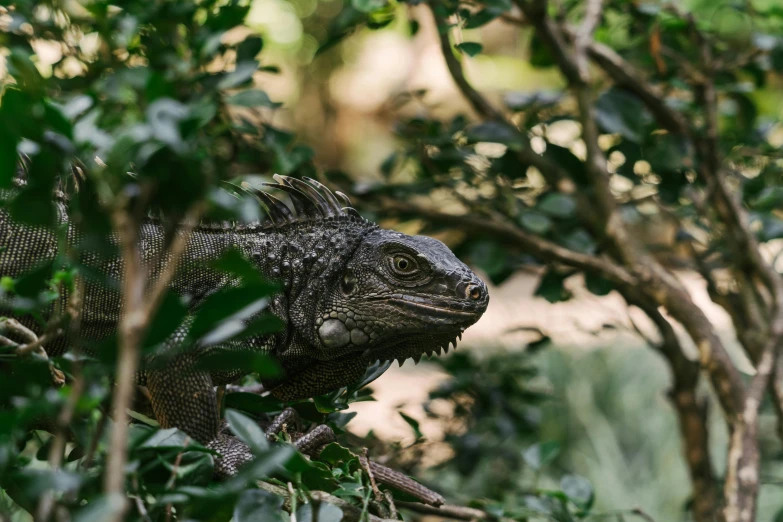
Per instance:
{"type": "Point", "coordinates": [434, 310]}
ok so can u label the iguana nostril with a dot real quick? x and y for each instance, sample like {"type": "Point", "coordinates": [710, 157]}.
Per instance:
{"type": "Point", "coordinates": [474, 292]}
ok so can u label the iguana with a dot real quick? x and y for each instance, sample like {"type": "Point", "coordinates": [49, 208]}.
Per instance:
{"type": "Point", "coordinates": [351, 294]}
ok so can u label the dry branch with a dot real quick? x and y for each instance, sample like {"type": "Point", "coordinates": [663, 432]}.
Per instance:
{"type": "Point", "coordinates": [138, 304]}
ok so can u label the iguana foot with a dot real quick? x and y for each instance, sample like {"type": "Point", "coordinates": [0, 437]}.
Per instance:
{"type": "Point", "coordinates": [232, 453]}
{"type": "Point", "coordinates": [312, 442]}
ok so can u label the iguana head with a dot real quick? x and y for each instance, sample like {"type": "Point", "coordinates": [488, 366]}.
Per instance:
{"type": "Point", "coordinates": [356, 293]}
{"type": "Point", "coordinates": [398, 297]}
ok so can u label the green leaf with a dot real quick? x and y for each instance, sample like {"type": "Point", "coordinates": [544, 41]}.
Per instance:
{"type": "Point", "coordinates": [470, 48]}
{"type": "Point", "coordinates": [170, 439]}
{"type": "Point", "coordinates": [597, 284]}
{"type": "Point", "coordinates": [540, 55]}
{"type": "Point", "coordinates": [568, 162]}
{"type": "Point", "coordinates": [252, 98]}
{"type": "Point", "coordinates": [492, 258]}
{"type": "Point", "coordinates": [539, 455]}
{"type": "Point", "coordinates": [233, 261]}
{"type": "Point", "coordinates": [368, 6]}
{"type": "Point", "coordinates": [248, 431]}
{"type": "Point", "coordinates": [237, 303]}
{"type": "Point", "coordinates": [99, 509]}
{"type": "Point", "coordinates": [578, 489]}
{"type": "Point", "coordinates": [322, 512]}
{"type": "Point", "coordinates": [169, 316]}
{"type": "Point", "coordinates": [373, 371]}
{"type": "Point", "coordinates": [414, 424]}
{"type": "Point", "coordinates": [255, 505]}
{"type": "Point", "coordinates": [769, 198]}
{"type": "Point", "coordinates": [482, 17]}
{"type": "Point", "coordinates": [535, 222]}
{"type": "Point", "coordinates": [495, 132]}
{"type": "Point", "coordinates": [333, 453]}
{"type": "Point", "coordinates": [314, 474]}
{"type": "Point", "coordinates": [551, 287]}
{"type": "Point", "coordinates": [242, 73]}
{"type": "Point", "coordinates": [8, 156]}
{"type": "Point", "coordinates": [249, 48]}
{"type": "Point", "coordinates": [520, 101]}
{"type": "Point", "coordinates": [669, 153]}
{"type": "Point", "coordinates": [619, 112]}
{"type": "Point", "coordinates": [249, 360]}
{"type": "Point", "coordinates": [557, 205]}
{"type": "Point", "coordinates": [253, 402]}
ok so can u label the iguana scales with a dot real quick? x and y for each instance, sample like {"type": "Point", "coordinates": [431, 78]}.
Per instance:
{"type": "Point", "coordinates": [351, 294]}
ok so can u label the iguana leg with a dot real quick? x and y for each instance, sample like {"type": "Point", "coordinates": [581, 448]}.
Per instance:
{"type": "Point", "coordinates": [184, 397]}
{"type": "Point", "coordinates": [312, 442]}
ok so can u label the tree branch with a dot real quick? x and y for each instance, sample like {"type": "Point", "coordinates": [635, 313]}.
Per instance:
{"type": "Point", "coordinates": [537, 246]}
{"type": "Point", "coordinates": [658, 283]}
{"type": "Point", "coordinates": [691, 413]}
{"type": "Point", "coordinates": [584, 35]}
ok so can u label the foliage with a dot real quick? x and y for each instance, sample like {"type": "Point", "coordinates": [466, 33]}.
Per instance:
{"type": "Point", "coordinates": [166, 90]}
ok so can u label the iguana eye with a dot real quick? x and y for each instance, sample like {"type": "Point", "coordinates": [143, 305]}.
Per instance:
{"type": "Point", "coordinates": [404, 264]}
{"type": "Point", "coordinates": [348, 283]}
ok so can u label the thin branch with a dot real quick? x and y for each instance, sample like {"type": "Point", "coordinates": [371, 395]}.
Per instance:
{"type": "Point", "coordinates": [626, 75]}
{"type": "Point", "coordinates": [131, 322]}
{"type": "Point", "coordinates": [365, 462]}
{"type": "Point", "coordinates": [554, 173]}
{"type": "Point", "coordinates": [452, 512]}
{"type": "Point", "coordinates": [351, 513]}
{"type": "Point", "coordinates": [174, 254]}
{"type": "Point", "coordinates": [584, 35]}
{"type": "Point", "coordinates": [137, 312]}
{"type": "Point", "coordinates": [639, 512]}
{"type": "Point", "coordinates": [476, 100]}
{"type": "Point", "coordinates": [537, 246]}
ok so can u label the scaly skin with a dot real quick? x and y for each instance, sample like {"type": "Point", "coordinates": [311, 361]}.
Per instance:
{"type": "Point", "coordinates": [352, 294]}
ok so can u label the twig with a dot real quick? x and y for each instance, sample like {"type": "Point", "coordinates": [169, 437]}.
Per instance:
{"type": "Point", "coordinates": [139, 502]}
{"type": "Point", "coordinates": [476, 100]}
{"type": "Point", "coordinates": [55, 456]}
{"type": "Point", "coordinates": [554, 173]}
{"type": "Point", "coordinates": [452, 512]}
{"type": "Point", "coordinates": [137, 311]}
{"type": "Point", "coordinates": [639, 512]}
{"type": "Point", "coordinates": [351, 513]}
{"type": "Point", "coordinates": [96, 439]}
{"type": "Point", "coordinates": [175, 251]}
{"type": "Point", "coordinates": [173, 476]}
{"type": "Point", "coordinates": [584, 35]}
{"type": "Point", "coordinates": [626, 75]}
{"type": "Point", "coordinates": [368, 469]}
{"type": "Point", "coordinates": [131, 330]}
{"type": "Point", "coordinates": [392, 506]}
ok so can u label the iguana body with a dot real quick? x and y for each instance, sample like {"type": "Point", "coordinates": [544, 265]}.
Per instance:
{"type": "Point", "coordinates": [351, 294]}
